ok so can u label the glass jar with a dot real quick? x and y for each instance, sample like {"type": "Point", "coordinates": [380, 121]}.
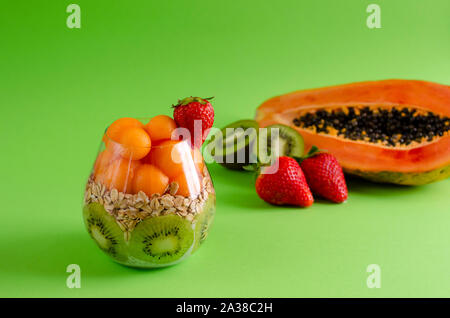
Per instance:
{"type": "Point", "coordinates": [149, 206]}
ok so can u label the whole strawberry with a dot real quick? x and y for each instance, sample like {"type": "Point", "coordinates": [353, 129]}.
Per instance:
{"type": "Point", "coordinates": [287, 186]}
{"type": "Point", "coordinates": [192, 109]}
{"type": "Point", "coordinates": [325, 176]}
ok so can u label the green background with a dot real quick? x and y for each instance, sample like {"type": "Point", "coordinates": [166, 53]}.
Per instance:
{"type": "Point", "coordinates": [61, 87]}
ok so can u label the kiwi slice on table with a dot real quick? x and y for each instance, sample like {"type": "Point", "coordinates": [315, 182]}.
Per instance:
{"type": "Point", "coordinates": [236, 147]}
{"type": "Point", "coordinates": [104, 231]}
{"type": "Point", "coordinates": [203, 221]}
{"type": "Point", "coordinates": [161, 240]}
{"type": "Point", "coordinates": [290, 142]}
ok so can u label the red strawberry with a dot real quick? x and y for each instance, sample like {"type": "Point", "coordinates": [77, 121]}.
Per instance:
{"type": "Point", "coordinates": [325, 177]}
{"type": "Point", "coordinates": [287, 186]}
{"type": "Point", "coordinates": [191, 109]}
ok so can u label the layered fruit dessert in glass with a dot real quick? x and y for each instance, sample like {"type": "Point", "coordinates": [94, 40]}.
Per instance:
{"type": "Point", "coordinates": [149, 201]}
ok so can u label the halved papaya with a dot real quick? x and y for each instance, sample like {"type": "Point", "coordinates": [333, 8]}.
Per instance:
{"type": "Point", "coordinates": [390, 131]}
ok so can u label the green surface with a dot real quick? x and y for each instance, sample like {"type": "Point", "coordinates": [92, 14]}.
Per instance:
{"type": "Point", "coordinates": [61, 87]}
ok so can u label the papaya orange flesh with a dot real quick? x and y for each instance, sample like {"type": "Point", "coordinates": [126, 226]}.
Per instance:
{"type": "Point", "coordinates": [395, 131]}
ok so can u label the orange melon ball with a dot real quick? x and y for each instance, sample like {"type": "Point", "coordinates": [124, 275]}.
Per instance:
{"type": "Point", "coordinates": [149, 179]}
{"type": "Point", "coordinates": [134, 143]}
{"type": "Point", "coordinates": [118, 175]}
{"type": "Point", "coordinates": [148, 158]}
{"type": "Point", "coordinates": [188, 186]}
{"type": "Point", "coordinates": [160, 127]}
{"type": "Point", "coordinates": [103, 160]}
{"type": "Point", "coordinates": [115, 130]}
{"type": "Point", "coordinates": [198, 160]}
{"type": "Point", "coordinates": [169, 157]}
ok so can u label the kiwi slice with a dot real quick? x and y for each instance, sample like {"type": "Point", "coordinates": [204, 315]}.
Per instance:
{"type": "Point", "coordinates": [161, 240]}
{"type": "Point", "coordinates": [104, 231]}
{"type": "Point", "coordinates": [203, 221]}
{"type": "Point", "coordinates": [236, 147]}
{"type": "Point", "coordinates": [290, 142]}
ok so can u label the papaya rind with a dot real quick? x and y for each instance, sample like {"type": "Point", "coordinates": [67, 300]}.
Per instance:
{"type": "Point", "coordinates": [403, 178]}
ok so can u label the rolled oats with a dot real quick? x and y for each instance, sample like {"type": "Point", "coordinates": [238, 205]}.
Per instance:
{"type": "Point", "coordinates": [123, 204]}
{"type": "Point", "coordinates": [167, 201]}
{"type": "Point", "coordinates": [169, 211]}
{"type": "Point", "coordinates": [88, 193]}
{"type": "Point", "coordinates": [179, 201]}
{"type": "Point", "coordinates": [142, 197]}
{"type": "Point", "coordinates": [173, 188]}
{"type": "Point", "coordinates": [147, 209]}
{"type": "Point", "coordinates": [130, 209]}
{"type": "Point", "coordinates": [102, 190]}
{"type": "Point", "coordinates": [139, 204]}
{"type": "Point", "coordinates": [114, 195]}
{"type": "Point", "coordinates": [182, 211]}
{"type": "Point", "coordinates": [154, 204]}
{"type": "Point", "coordinates": [142, 215]}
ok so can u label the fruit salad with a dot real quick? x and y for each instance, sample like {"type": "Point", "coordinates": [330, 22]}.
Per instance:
{"type": "Point", "coordinates": [149, 201]}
